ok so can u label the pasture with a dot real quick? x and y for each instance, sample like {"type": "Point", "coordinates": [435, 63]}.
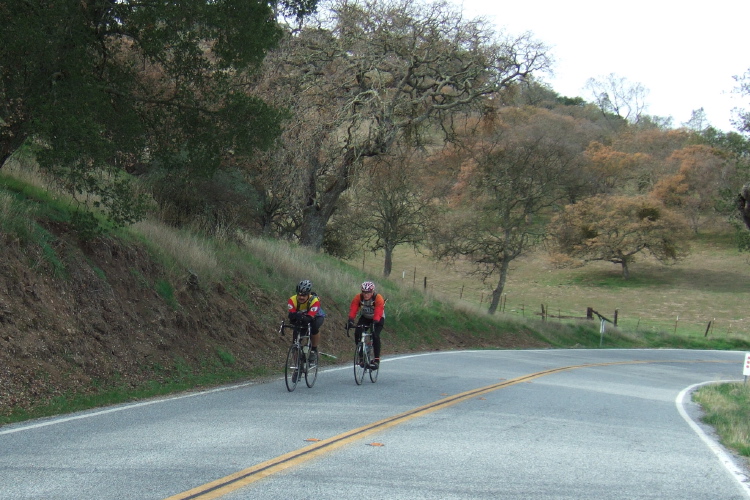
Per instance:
{"type": "Point", "coordinates": [711, 285]}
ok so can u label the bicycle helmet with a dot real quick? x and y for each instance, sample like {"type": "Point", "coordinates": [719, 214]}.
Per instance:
{"type": "Point", "coordinates": [304, 287]}
{"type": "Point", "coordinates": [368, 286]}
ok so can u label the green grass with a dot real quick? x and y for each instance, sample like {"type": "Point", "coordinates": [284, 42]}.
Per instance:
{"type": "Point", "coordinates": [727, 408]}
{"type": "Point", "coordinates": [659, 307]}
{"type": "Point", "coordinates": [710, 286]}
{"type": "Point", "coordinates": [166, 291]}
{"type": "Point", "coordinates": [181, 377]}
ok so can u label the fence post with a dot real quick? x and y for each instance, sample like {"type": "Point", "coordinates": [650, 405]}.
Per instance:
{"type": "Point", "coordinates": [707, 329]}
{"type": "Point", "coordinates": [543, 315]}
{"type": "Point", "coordinates": [589, 313]}
{"type": "Point", "coordinates": [425, 282]}
{"type": "Point", "coordinates": [615, 321]}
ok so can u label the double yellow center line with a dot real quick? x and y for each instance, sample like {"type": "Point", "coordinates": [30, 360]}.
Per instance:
{"type": "Point", "coordinates": [232, 482]}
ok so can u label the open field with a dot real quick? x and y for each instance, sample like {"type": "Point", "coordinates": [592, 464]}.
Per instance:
{"type": "Point", "coordinates": [712, 285]}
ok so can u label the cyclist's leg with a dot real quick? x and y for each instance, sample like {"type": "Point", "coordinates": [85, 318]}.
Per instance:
{"type": "Point", "coordinates": [315, 330]}
{"type": "Point", "coordinates": [377, 328]}
{"type": "Point", "coordinates": [358, 331]}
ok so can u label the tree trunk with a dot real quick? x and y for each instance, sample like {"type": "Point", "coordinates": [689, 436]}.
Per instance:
{"type": "Point", "coordinates": [313, 228]}
{"type": "Point", "coordinates": [497, 293]}
{"type": "Point", "coordinates": [11, 141]}
{"type": "Point", "coordinates": [743, 204]}
{"type": "Point", "coordinates": [388, 262]}
{"type": "Point", "coordinates": [321, 205]}
{"type": "Point", "coordinates": [625, 270]}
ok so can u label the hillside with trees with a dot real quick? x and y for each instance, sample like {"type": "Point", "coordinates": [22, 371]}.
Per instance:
{"type": "Point", "coordinates": [342, 127]}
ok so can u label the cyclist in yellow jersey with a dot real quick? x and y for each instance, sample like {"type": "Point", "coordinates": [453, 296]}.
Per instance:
{"type": "Point", "coordinates": [305, 307]}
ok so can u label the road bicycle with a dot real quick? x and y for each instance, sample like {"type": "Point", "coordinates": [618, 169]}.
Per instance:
{"type": "Point", "coordinates": [299, 359]}
{"type": "Point", "coordinates": [364, 356]}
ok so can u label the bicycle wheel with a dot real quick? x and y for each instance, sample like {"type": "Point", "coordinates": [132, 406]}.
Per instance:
{"type": "Point", "coordinates": [312, 369]}
{"type": "Point", "coordinates": [292, 370]}
{"type": "Point", "coordinates": [359, 364]}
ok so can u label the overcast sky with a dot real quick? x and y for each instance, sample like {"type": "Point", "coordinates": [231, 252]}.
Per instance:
{"type": "Point", "coordinates": [684, 53]}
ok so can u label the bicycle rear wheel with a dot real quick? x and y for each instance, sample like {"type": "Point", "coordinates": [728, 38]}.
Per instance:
{"type": "Point", "coordinates": [312, 369]}
{"type": "Point", "coordinates": [292, 371]}
{"type": "Point", "coordinates": [359, 364]}
{"type": "Point", "coordinates": [374, 374]}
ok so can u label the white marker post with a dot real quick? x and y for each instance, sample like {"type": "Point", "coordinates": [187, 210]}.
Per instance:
{"type": "Point", "coordinates": [746, 371]}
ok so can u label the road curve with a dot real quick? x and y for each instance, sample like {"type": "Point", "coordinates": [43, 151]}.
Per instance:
{"type": "Point", "coordinates": [543, 424]}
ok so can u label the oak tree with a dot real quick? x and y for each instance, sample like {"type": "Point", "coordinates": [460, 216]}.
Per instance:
{"type": "Point", "coordinates": [97, 88]}
{"type": "Point", "coordinates": [371, 74]}
{"type": "Point", "coordinates": [616, 96]}
{"type": "Point", "coordinates": [393, 206]}
{"type": "Point", "coordinates": [616, 229]}
{"type": "Point", "coordinates": [512, 180]}
{"type": "Point", "coordinates": [701, 174]}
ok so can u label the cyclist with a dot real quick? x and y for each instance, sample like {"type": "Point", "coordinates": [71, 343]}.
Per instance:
{"type": "Point", "coordinates": [304, 308]}
{"type": "Point", "coordinates": [371, 308]}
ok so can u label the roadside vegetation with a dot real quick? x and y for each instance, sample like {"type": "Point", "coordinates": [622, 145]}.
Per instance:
{"type": "Point", "coordinates": [418, 318]}
{"type": "Point", "coordinates": [396, 141]}
{"type": "Point", "coordinates": [726, 408]}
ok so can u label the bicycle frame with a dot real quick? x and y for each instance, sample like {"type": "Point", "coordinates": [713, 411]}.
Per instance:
{"type": "Point", "coordinates": [297, 360]}
{"type": "Point", "coordinates": [364, 355]}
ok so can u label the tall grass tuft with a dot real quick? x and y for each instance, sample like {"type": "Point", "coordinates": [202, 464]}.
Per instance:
{"type": "Point", "coordinates": [183, 249]}
{"type": "Point", "coordinates": [295, 263]}
{"type": "Point", "coordinates": [727, 408]}
{"type": "Point", "coordinates": [16, 218]}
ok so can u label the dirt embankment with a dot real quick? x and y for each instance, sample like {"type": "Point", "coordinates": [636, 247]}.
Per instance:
{"type": "Point", "coordinates": [80, 317]}
{"type": "Point", "coordinates": [94, 318]}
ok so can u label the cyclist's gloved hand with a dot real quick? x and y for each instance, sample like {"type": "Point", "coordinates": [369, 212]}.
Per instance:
{"type": "Point", "coordinates": [351, 324]}
{"type": "Point", "coordinates": [307, 319]}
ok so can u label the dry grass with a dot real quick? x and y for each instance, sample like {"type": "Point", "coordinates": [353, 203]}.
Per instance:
{"type": "Point", "coordinates": [712, 285]}
{"type": "Point", "coordinates": [300, 263]}
{"type": "Point", "coordinates": [726, 407]}
{"type": "Point", "coordinates": [196, 254]}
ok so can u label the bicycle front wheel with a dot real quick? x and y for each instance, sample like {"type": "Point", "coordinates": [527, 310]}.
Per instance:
{"type": "Point", "coordinates": [359, 364]}
{"type": "Point", "coordinates": [312, 369]}
{"type": "Point", "coordinates": [293, 368]}
{"type": "Point", "coordinates": [374, 374]}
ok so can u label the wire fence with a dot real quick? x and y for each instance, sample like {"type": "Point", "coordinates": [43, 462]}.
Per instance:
{"type": "Point", "coordinates": [710, 325]}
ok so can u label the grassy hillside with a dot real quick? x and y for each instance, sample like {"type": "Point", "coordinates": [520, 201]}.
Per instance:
{"type": "Point", "coordinates": [152, 310]}
{"type": "Point", "coordinates": [711, 285]}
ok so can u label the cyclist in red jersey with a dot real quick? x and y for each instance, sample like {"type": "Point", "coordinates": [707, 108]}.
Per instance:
{"type": "Point", "coordinates": [371, 309]}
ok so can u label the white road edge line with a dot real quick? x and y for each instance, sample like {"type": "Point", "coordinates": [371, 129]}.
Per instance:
{"type": "Point", "coordinates": [726, 460]}
{"type": "Point", "coordinates": [122, 407]}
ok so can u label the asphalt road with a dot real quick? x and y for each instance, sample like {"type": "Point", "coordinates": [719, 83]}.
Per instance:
{"type": "Point", "coordinates": [547, 424]}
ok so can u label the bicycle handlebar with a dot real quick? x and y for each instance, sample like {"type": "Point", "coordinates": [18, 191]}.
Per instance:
{"type": "Point", "coordinates": [364, 328]}
{"type": "Point", "coordinates": [308, 327]}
